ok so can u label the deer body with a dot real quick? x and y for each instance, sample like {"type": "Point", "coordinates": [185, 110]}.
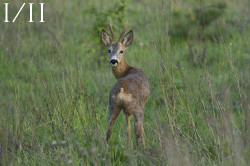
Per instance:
{"type": "Point", "coordinates": [130, 91]}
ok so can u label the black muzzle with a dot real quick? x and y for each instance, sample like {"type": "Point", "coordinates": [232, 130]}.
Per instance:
{"type": "Point", "coordinates": [113, 62]}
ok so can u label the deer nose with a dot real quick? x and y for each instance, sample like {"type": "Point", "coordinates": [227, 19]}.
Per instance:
{"type": "Point", "coordinates": [113, 61]}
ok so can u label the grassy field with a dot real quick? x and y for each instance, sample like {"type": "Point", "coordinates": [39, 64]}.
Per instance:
{"type": "Point", "coordinates": [55, 80]}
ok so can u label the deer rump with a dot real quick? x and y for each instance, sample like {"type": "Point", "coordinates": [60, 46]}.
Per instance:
{"type": "Point", "coordinates": [130, 91]}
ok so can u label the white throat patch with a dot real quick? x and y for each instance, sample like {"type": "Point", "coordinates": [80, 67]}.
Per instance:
{"type": "Point", "coordinates": [113, 64]}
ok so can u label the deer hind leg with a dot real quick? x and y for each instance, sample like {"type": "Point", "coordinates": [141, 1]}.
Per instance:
{"type": "Point", "coordinates": [113, 113]}
{"type": "Point", "coordinates": [142, 135]}
{"type": "Point", "coordinates": [138, 131]}
{"type": "Point", "coordinates": [128, 117]}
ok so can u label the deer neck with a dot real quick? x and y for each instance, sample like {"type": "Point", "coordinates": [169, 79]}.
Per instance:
{"type": "Point", "coordinates": [121, 70]}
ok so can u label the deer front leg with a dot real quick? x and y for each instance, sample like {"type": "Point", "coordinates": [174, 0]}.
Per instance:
{"type": "Point", "coordinates": [128, 117]}
{"type": "Point", "coordinates": [113, 113]}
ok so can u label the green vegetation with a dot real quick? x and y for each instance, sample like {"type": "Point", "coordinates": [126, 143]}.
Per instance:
{"type": "Point", "coordinates": [55, 80]}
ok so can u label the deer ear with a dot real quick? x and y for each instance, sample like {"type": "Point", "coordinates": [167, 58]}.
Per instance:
{"type": "Point", "coordinates": [128, 38]}
{"type": "Point", "coordinates": [105, 38]}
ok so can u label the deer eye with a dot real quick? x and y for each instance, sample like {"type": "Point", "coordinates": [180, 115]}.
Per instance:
{"type": "Point", "coordinates": [109, 51]}
{"type": "Point", "coordinates": [121, 52]}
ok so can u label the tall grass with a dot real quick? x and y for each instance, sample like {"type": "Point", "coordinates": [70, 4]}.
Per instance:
{"type": "Point", "coordinates": [54, 90]}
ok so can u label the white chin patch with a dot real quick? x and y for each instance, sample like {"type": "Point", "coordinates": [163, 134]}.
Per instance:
{"type": "Point", "coordinates": [113, 64]}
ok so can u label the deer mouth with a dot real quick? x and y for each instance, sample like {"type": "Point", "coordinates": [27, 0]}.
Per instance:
{"type": "Point", "coordinates": [113, 62]}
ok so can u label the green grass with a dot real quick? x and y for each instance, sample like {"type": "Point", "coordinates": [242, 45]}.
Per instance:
{"type": "Point", "coordinates": [54, 87]}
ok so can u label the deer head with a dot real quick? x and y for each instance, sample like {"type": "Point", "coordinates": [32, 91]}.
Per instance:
{"type": "Point", "coordinates": [116, 49]}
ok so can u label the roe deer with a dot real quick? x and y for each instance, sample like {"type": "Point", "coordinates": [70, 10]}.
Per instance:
{"type": "Point", "coordinates": [131, 89]}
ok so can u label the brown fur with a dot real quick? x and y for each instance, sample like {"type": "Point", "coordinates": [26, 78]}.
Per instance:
{"type": "Point", "coordinates": [121, 70]}
{"type": "Point", "coordinates": [128, 94]}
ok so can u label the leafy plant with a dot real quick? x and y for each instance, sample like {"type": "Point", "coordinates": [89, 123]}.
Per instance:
{"type": "Point", "coordinates": [187, 23]}
{"type": "Point", "coordinates": [102, 18]}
